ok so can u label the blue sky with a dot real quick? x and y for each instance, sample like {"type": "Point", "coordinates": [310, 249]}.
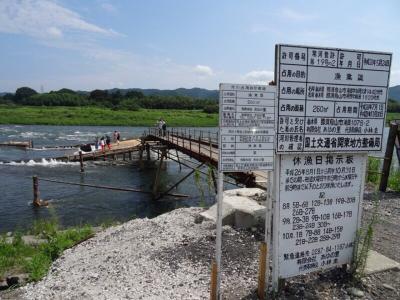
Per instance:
{"type": "Point", "coordinates": [177, 43]}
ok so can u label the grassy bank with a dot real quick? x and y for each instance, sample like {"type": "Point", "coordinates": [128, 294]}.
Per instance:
{"type": "Point", "coordinates": [392, 116]}
{"type": "Point", "coordinates": [103, 116]}
{"type": "Point", "coordinates": [18, 257]}
{"type": "Point", "coordinates": [373, 175]}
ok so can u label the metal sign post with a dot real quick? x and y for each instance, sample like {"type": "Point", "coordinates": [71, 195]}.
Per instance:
{"type": "Point", "coordinates": [331, 112]}
{"type": "Point", "coordinates": [246, 141]}
{"type": "Point", "coordinates": [218, 250]}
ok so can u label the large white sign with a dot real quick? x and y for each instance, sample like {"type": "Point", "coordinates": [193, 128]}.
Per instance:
{"type": "Point", "coordinates": [246, 123]}
{"type": "Point", "coordinates": [331, 99]}
{"type": "Point", "coordinates": [318, 210]}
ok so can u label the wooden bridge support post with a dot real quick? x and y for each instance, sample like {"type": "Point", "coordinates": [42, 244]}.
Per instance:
{"type": "Point", "coordinates": [130, 155]}
{"type": "Point", "coordinates": [214, 179]}
{"type": "Point", "coordinates": [199, 143]}
{"type": "Point", "coordinates": [148, 151]}
{"type": "Point", "coordinates": [158, 174]}
{"type": "Point", "coordinates": [179, 161]}
{"type": "Point", "coordinates": [81, 161]}
{"type": "Point", "coordinates": [388, 156]}
{"type": "Point", "coordinates": [141, 157]}
{"type": "Point", "coordinates": [36, 199]}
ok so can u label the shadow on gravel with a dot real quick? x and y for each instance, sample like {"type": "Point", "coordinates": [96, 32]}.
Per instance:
{"type": "Point", "coordinates": [239, 251]}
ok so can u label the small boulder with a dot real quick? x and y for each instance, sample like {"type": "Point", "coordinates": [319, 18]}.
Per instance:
{"type": "Point", "coordinates": [355, 292]}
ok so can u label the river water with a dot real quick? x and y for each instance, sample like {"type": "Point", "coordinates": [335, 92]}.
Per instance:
{"type": "Point", "coordinates": [75, 205]}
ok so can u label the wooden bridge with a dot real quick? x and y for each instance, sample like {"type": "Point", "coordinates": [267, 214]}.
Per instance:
{"type": "Point", "coordinates": [197, 144]}
{"type": "Point", "coordinates": [200, 145]}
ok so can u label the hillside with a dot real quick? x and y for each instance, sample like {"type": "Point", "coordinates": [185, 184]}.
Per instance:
{"type": "Point", "coordinates": [197, 93]}
{"type": "Point", "coordinates": [394, 93]}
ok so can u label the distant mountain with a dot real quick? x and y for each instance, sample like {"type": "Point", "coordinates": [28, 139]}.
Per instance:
{"type": "Point", "coordinates": [197, 93]}
{"type": "Point", "coordinates": [394, 93]}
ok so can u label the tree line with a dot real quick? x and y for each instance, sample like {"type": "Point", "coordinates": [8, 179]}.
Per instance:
{"type": "Point", "coordinates": [131, 100]}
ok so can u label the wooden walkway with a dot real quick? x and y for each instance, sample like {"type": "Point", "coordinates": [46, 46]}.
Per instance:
{"type": "Point", "coordinates": [124, 148]}
{"type": "Point", "coordinates": [204, 148]}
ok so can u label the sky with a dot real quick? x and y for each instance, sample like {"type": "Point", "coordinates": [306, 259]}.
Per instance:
{"type": "Point", "coordinates": [168, 44]}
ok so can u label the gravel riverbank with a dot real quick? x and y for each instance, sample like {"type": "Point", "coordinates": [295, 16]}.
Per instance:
{"type": "Point", "coordinates": [167, 257]}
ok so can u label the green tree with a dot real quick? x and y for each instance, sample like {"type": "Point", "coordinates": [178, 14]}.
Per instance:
{"type": "Point", "coordinates": [23, 93]}
{"type": "Point", "coordinates": [134, 94]}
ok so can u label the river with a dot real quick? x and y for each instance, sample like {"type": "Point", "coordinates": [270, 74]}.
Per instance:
{"type": "Point", "coordinates": [76, 205]}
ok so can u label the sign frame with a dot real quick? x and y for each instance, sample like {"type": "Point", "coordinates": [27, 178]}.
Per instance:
{"type": "Point", "coordinates": [304, 116]}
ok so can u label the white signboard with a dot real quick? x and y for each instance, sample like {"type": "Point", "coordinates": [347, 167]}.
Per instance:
{"type": "Point", "coordinates": [331, 99]}
{"type": "Point", "coordinates": [246, 123]}
{"type": "Point", "coordinates": [318, 210]}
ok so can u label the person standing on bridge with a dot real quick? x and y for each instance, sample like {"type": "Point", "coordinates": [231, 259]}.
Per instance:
{"type": "Point", "coordinates": [118, 137]}
{"type": "Point", "coordinates": [164, 127]}
{"type": "Point", "coordinates": [159, 126]}
{"type": "Point", "coordinates": [108, 142]}
{"type": "Point", "coordinates": [102, 143]}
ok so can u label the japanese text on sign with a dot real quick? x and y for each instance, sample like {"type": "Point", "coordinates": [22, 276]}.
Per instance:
{"type": "Point", "coordinates": [331, 99]}
{"type": "Point", "coordinates": [319, 196]}
{"type": "Point", "coordinates": [246, 123]}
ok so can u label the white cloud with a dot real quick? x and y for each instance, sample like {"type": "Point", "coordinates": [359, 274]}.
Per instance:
{"type": "Point", "coordinates": [108, 7]}
{"type": "Point", "coordinates": [259, 76]}
{"type": "Point", "coordinates": [43, 19]}
{"type": "Point", "coordinates": [54, 32]}
{"type": "Point", "coordinates": [296, 16]}
{"type": "Point", "coordinates": [203, 70]}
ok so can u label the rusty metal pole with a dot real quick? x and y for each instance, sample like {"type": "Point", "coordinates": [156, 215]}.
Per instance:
{"type": "Point", "coordinates": [81, 161]}
{"type": "Point", "coordinates": [213, 287]}
{"type": "Point", "coordinates": [388, 156]}
{"type": "Point", "coordinates": [36, 200]}
{"type": "Point", "coordinates": [261, 271]}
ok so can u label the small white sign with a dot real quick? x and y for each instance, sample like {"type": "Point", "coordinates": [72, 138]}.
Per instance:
{"type": "Point", "coordinates": [330, 99]}
{"type": "Point", "coordinates": [247, 127]}
{"type": "Point", "coordinates": [318, 209]}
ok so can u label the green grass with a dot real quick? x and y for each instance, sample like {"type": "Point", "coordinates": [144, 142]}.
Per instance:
{"type": "Point", "coordinates": [17, 257]}
{"type": "Point", "coordinates": [392, 116]}
{"type": "Point", "coordinates": [35, 115]}
{"type": "Point", "coordinates": [374, 177]}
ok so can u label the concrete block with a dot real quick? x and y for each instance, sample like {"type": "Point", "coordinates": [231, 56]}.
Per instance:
{"type": "Point", "coordinates": [244, 192]}
{"type": "Point", "coordinates": [377, 262]}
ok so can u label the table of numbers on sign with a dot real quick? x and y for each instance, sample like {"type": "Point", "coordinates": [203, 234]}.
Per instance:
{"type": "Point", "coordinates": [330, 99]}
{"type": "Point", "coordinates": [247, 122]}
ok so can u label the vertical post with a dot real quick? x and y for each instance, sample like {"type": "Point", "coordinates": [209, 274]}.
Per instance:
{"type": "Point", "coordinates": [199, 144]}
{"type": "Point", "coordinates": [275, 221]}
{"type": "Point", "coordinates": [36, 200]}
{"type": "Point", "coordinates": [123, 156]}
{"type": "Point", "coordinates": [218, 248]}
{"type": "Point", "coordinates": [141, 157]}
{"type": "Point", "coordinates": [210, 150]}
{"type": "Point", "coordinates": [388, 156]}
{"type": "Point", "coordinates": [179, 161]}
{"type": "Point", "coordinates": [148, 151]}
{"type": "Point", "coordinates": [261, 271]}
{"type": "Point", "coordinates": [157, 180]}
{"type": "Point", "coordinates": [81, 161]}
{"type": "Point", "coordinates": [190, 142]}
{"type": "Point", "coordinates": [213, 287]}
{"type": "Point", "coordinates": [130, 155]}
{"type": "Point", "coordinates": [214, 180]}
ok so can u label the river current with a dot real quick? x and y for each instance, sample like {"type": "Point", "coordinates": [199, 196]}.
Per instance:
{"type": "Point", "coordinates": [76, 205]}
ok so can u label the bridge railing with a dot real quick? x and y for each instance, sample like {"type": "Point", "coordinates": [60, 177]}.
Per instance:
{"type": "Point", "coordinates": [201, 141]}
